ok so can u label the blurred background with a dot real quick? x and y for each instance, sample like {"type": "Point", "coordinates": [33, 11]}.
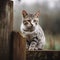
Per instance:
{"type": "Point", "coordinates": [49, 18]}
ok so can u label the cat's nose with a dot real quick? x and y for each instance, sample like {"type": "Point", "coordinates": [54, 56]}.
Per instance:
{"type": "Point", "coordinates": [31, 25]}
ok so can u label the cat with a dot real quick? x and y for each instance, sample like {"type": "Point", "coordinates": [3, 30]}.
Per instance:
{"type": "Point", "coordinates": [30, 28]}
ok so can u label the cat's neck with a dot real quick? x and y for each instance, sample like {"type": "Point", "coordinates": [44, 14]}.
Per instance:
{"type": "Point", "coordinates": [29, 32]}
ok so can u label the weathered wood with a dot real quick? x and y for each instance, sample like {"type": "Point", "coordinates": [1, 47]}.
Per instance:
{"type": "Point", "coordinates": [43, 55]}
{"type": "Point", "coordinates": [5, 30]}
{"type": "Point", "coordinates": [19, 48]}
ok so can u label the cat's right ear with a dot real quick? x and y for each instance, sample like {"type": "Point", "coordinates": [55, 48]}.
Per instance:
{"type": "Point", "coordinates": [24, 13]}
{"type": "Point", "coordinates": [37, 14]}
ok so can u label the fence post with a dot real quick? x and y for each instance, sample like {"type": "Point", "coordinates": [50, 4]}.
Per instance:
{"type": "Point", "coordinates": [19, 46]}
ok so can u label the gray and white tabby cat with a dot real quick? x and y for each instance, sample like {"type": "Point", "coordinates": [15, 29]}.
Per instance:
{"type": "Point", "coordinates": [35, 39]}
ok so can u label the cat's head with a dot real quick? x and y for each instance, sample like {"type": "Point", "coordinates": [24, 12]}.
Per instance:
{"type": "Point", "coordinates": [30, 21]}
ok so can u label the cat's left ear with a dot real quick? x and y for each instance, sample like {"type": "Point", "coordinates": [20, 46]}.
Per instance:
{"type": "Point", "coordinates": [24, 13]}
{"type": "Point", "coordinates": [37, 14]}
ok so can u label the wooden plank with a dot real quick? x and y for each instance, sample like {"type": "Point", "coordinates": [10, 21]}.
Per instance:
{"type": "Point", "coordinates": [5, 31]}
{"type": "Point", "coordinates": [43, 55]}
{"type": "Point", "coordinates": [19, 48]}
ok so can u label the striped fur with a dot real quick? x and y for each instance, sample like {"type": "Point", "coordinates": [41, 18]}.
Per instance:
{"type": "Point", "coordinates": [35, 38]}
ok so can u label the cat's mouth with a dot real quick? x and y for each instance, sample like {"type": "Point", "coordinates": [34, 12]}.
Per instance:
{"type": "Point", "coordinates": [29, 29]}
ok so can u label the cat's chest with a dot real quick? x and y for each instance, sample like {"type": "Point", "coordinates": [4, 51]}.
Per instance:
{"type": "Point", "coordinates": [30, 36]}
{"type": "Point", "coordinates": [37, 32]}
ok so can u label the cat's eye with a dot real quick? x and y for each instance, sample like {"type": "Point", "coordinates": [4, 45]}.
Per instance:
{"type": "Point", "coordinates": [25, 22]}
{"type": "Point", "coordinates": [34, 20]}
{"type": "Point", "coordinates": [29, 20]}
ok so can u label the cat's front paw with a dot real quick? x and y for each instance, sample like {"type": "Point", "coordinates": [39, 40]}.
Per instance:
{"type": "Point", "coordinates": [32, 46]}
{"type": "Point", "coordinates": [31, 49]}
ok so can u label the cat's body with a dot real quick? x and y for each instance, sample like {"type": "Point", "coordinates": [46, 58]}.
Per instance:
{"type": "Point", "coordinates": [32, 31]}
